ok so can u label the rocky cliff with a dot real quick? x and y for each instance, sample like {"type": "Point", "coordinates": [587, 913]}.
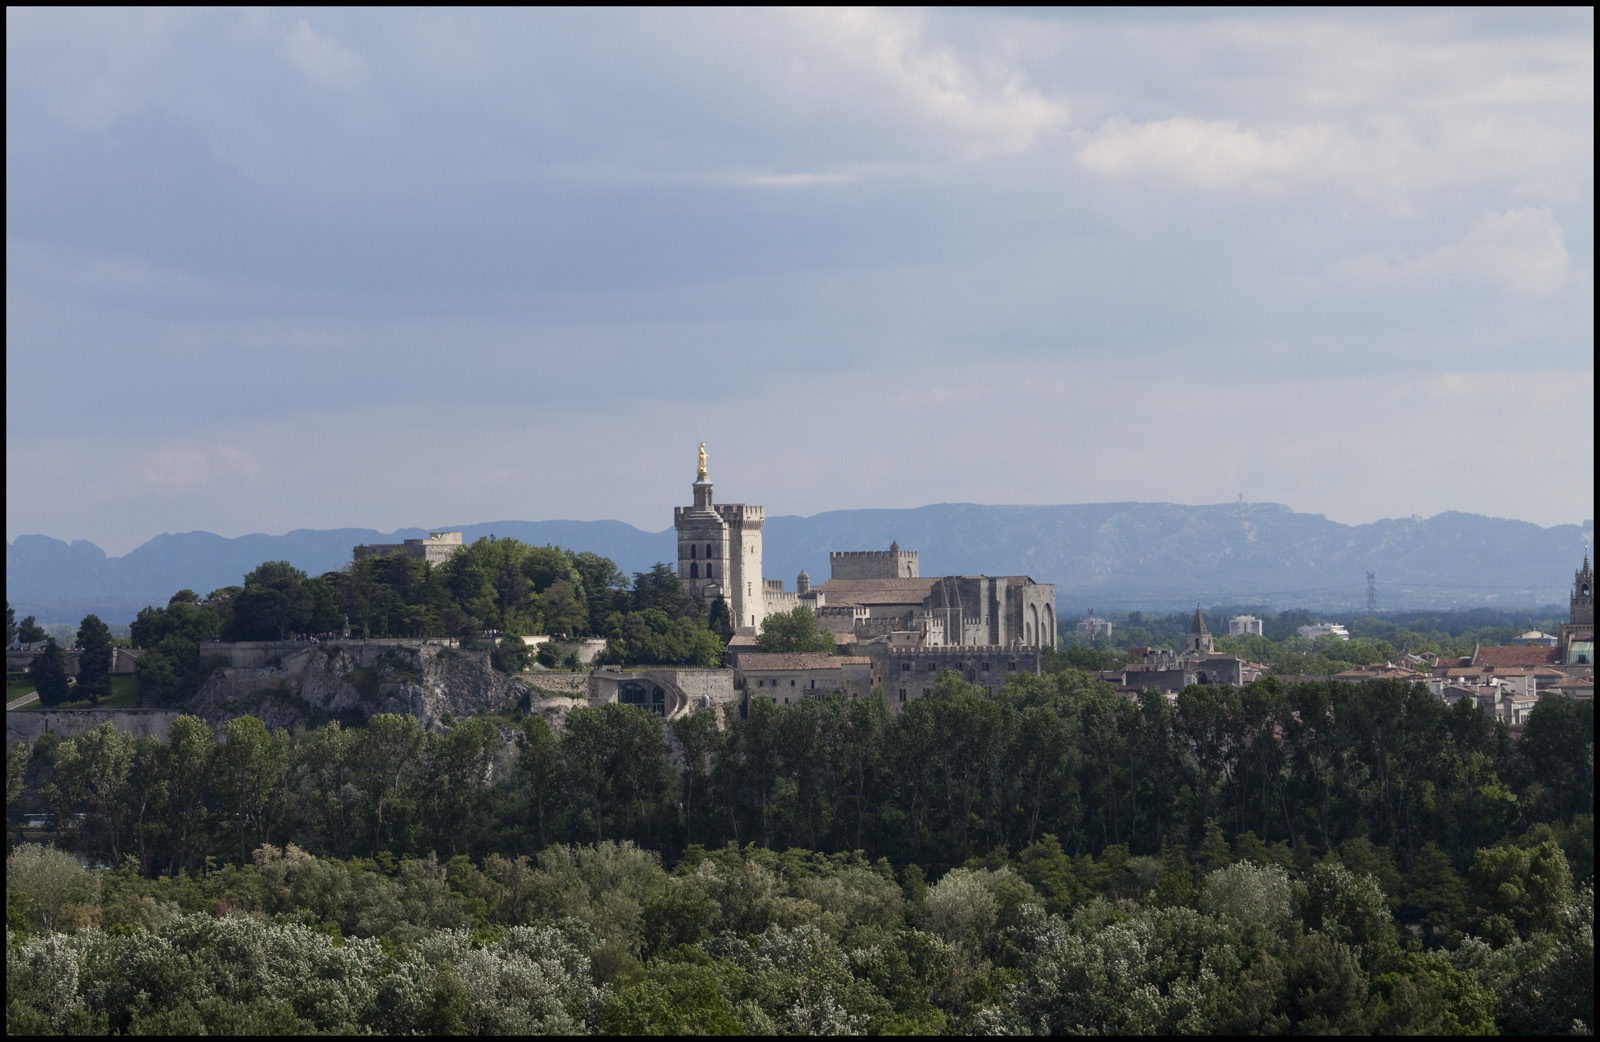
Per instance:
{"type": "Point", "coordinates": [312, 684]}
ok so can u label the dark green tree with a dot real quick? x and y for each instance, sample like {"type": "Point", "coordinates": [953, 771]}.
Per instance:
{"type": "Point", "coordinates": [511, 655]}
{"type": "Point", "coordinates": [96, 653]}
{"type": "Point", "coordinates": [48, 671]}
{"type": "Point", "coordinates": [29, 632]}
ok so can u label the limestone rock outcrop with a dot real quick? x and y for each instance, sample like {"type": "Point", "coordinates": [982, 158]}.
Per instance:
{"type": "Point", "coordinates": [350, 681]}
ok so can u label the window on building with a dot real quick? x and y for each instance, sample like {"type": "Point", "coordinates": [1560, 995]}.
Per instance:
{"type": "Point", "coordinates": [902, 694]}
{"type": "Point", "coordinates": [933, 667]}
{"type": "Point", "coordinates": [709, 573]}
{"type": "Point", "coordinates": [692, 549]}
{"type": "Point", "coordinates": [694, 570]}
{"type": "Point", "coordinates": [1011, 667]}
{"type": "Point", "coordinates": [983, 667]}
{"type": "Point", "coordinates": [791, 683]}
{"type": "Point", "coordinates": [905, 667]}
{"type": "Point", "coordinates": [709, 552]}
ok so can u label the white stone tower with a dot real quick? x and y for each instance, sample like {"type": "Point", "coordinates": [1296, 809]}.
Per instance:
{"type": "Point", "coordinates": [719, 552]}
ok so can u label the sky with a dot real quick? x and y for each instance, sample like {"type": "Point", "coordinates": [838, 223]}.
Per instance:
{"type": "Point", "coordinates": [282, 269]}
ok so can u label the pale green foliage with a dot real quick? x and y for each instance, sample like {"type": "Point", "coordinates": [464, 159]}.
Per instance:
{"type": "Point", "coordinates": [1250, 894]}
{"type": "Point", "coordinates": [50, 879]}
{"type": "Point", "coordinates": [1349, 908]}
{"type": "Point", "coordinates": [51, 966]}
{"type": "Point", "coordinates": [200, 974]}
{"type": "Point", "coordinates": [969, 907]}
{"type": "Point", "coordinates": [1157, 973]}
{"type": "Point", "coordinates": [960, 909]}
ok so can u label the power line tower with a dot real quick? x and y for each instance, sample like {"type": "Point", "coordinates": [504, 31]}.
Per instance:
{"type": "Point", "coordinates": [1372, 594]}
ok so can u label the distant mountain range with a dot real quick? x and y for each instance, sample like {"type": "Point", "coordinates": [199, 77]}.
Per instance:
{"type": "Point", "coordinates": [1110, 556]}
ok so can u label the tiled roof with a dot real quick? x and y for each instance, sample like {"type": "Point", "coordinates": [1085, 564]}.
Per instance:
{"type": "Point", "coordinates": [1515, 656]}
{"type": "Point", "coordinates": [799, 660]}
{"type": "Point", "coordinates": [876, 591]}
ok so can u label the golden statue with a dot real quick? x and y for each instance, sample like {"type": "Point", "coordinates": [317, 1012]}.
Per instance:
{"type": "Point", "coordinates": [702, 461]}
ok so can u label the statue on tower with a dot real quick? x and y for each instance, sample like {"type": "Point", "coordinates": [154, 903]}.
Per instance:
{"type": "Point", "coordinates": [702, 475]}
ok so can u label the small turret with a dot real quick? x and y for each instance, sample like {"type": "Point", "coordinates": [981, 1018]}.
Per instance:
{"type": "Point", "coordinates": [802, 584]}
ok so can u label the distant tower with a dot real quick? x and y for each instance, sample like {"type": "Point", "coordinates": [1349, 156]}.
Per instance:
{"type": "Point", "coordinates": [719, 552]}
{"type": "Point", "coordinates": [1582, 605]}
{"type": "Point", "coordinates": [1200, 641]}
{"type": "Point", "coordinates": [1577, 635]}
{"type": "Point", "coordinates": [802, 583]}
{"type": "Point", "coordinates": [1372, 594]}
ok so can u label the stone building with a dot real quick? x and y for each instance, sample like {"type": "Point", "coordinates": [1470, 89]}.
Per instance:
{"type": "Point", "coordinates": [786, 678]}
{"type": "Point", "coordinates": [436, 549]}
{"type": "Point", "coordinates": [870, 595]}
{"type": "Point", "coordinates": [719, 552]}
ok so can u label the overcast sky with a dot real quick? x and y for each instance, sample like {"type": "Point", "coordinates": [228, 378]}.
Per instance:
{"type": "Point", "coordinates": [313, 269]}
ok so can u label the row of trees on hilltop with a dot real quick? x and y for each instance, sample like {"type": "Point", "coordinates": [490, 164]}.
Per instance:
{"type": "Point", "coordinates": [496, 585]}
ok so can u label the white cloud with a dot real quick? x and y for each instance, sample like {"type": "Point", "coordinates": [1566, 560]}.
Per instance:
{"type": "Point", "coordinates": [1207, 153]}
{"type": "Point", "coordinates": [1520, 251]}
{"type": "Point", "coordinates": [322, 60]}
{"type": "Point", "coordinates": [882, 63]}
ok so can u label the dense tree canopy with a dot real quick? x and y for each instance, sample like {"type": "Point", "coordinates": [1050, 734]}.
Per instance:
{"type": "Point", "coordinates": [794, 630]}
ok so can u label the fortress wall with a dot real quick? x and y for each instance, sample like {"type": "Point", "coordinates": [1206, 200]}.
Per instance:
{"type": "Point", "coordinates": [574, 685]}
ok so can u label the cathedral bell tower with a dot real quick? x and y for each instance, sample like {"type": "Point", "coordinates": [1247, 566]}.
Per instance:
{"type": "Point", "coordinates": [1199, 641]}
{"type": "Point", "coordinates": [719, 552]}
{"type": "Point", "coordinates": [1577, 636]}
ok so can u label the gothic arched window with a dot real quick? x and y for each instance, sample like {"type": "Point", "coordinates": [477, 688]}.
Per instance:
{"type": "Point", "coordinates": [693, 551]}
{"type": "Point", "coordinates": [694, 570]}
{"type": "Point", "coordinates": [709, 573]}
{"type": "Point", "coordinates": [709, 554]}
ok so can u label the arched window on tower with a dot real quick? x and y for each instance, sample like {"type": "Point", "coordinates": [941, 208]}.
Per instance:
{"type": "Point", "coordinates": [709, 573]}
{"type": "Point", "coordinates": [692, 551]}
{"type": "Point", "coordinates": [694, 570]}
{"type": "Point", "coordinates": [709, 553]}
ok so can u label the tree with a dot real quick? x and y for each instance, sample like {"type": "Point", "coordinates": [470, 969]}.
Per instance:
{"type": "Point", "coordinates": [94, 767]}
{"type": "Point", "coordinates": [791, 631]}
{"type": "Point", "coordinates": [250, 769]}
{"type": "Point", "coordinates": [94, 660]}
{"type": "Point", "coordinates": [1517, 892]}
{"type": "Point", "coordinates": [274, 603]}
{"type": "Point", "coordinates": [511, 655]}
{"type": "Point", "coordinates": [29, 632]}
{"type": "Point", "coordinates": [48, 671]}
{"type": "Point", "coordinates": [539, 765]}
{"type": "Point", "coordinates": [720, 619]}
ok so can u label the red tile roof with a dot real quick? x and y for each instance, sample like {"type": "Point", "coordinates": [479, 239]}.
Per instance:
{"type": "Point", "coordinates": [1515, 656]}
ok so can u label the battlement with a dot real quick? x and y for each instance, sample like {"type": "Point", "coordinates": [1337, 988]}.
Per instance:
{"type": "Point", "coordinates": [962, 650]}
{"type": "Point", "coordinates": [893, 563]}
{"type": "Point", "coordinates": [740, 512]}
